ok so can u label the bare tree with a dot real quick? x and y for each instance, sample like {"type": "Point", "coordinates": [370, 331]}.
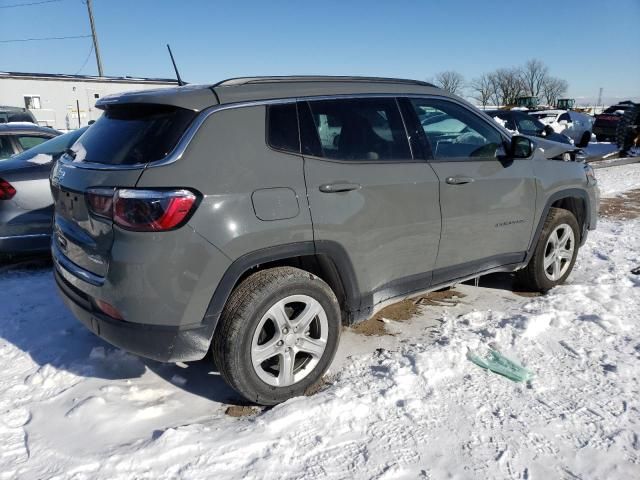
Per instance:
{"type": "Point", "coordinates": [534, 75]}
{"type": "Point", "coordinates": [506, 85]}
{"type": "Point", "coordinates": [451, 81]}
{"type": "Point", "coordinates": [553, 88]}
{"type": "Point", "coordinates": [482, 89]}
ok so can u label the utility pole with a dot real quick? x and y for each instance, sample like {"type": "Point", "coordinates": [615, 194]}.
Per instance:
{"type": "Point", "coordinates": [599, 99]}
{"type": "Point", "coordinates": [95, 37]}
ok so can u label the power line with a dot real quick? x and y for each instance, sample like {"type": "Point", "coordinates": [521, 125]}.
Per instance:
{"type": "Point", "coordinates": [16, 5]}
{"type": "Point", "coordinates": [85, 60]}
{"type": "Point", "coordinates": [43, 39]}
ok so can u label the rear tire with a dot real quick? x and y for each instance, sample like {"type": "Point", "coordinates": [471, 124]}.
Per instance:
{"type": "Point", "coordinates": [584, 141]}
{"type": "Point", "coordinates": [555, 253]}
{"type": "Point", "coordinates": [277, 335]}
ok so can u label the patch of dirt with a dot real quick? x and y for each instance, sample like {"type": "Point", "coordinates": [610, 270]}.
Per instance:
{"type": "Point", "coordinates": [527, 294]}
{"type": "Point", "coordinates": [623, 207]}
{"type": "Point", "coordinates": [241, 411]}
{"type": "Point", "coordinates": [406, 309]}
{"type": "Point", "coordinates": [323, 383]}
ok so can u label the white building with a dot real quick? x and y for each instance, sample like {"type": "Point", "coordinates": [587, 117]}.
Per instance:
{"type": "Point", "coordinates": [66, 102]}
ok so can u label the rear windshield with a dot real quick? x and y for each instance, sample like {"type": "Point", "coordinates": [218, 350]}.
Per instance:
{"type": "Point", "coordinates": [133, 133]}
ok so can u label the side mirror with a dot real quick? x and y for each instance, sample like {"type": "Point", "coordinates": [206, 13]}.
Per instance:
{"type": "Point", "coordinates": [521, 147]}
{"type": "Point", "coordinates": [548, 129]}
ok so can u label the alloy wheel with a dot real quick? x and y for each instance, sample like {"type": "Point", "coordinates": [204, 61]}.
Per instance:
{"type": "Point", "coordinates": [289, 340]}
{"type": "Point", "coordinates": [558, 252]}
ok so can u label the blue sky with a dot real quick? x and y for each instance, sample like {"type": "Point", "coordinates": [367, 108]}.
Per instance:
{"type": "Point", "coordinates": [590, 43]}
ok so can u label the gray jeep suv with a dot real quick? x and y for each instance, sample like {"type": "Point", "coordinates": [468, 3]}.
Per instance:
{"type": "Point", "coordinates": [256, 216]}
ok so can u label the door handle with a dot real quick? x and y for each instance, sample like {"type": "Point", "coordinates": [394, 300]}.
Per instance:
{"type": "Point", "coordinates": [339, 187]}
{"type": "Point", "coordinates": [458, 180]}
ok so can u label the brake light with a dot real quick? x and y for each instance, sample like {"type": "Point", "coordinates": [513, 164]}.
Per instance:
{"type": "Point", "coordinates": [7, 191]}
{"type": "Point", "coordinates": [143, 210]}
{"type": "Point", "coordinates": [100, 201]}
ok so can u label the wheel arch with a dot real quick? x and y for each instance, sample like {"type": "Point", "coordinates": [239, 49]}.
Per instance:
{"type": "Point", "coordinates": [325, 259]}
{"type": "Point", "coordinates": [576, 201]}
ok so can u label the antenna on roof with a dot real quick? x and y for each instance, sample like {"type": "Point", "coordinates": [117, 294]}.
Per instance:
{"type": "Point", "coordinates": [180, 82]}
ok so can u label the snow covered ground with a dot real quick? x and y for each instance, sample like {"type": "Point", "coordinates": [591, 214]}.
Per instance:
{"type": "Point", "coordinates": [404, 406]}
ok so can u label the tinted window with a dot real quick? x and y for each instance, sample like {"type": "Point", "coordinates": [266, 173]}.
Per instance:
{"type": "Point", "coordinates": [357, 129]}
{"type": "Point", "coordinates": [6, 149]}
{"type": "Point", "coordinates": [282, 127]}
{"type": "Point", "coordinates": [564, 116]}
{"type": "Point", "coordinates": [54, 146]}
{"type": "Point", "coordinates": [133, 133]}
{"type": "Point", "coordinates": [455, 132]}
{"type": "Point", "coordinates": [13, 116]}
{"type": "Point", "coordinates": [503, 119]}
{"type": "Point", "coordinates": [529, 125]}
{"type": "Point", "coordinates": [30, 141]}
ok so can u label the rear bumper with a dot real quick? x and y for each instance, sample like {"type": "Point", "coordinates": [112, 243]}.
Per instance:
{"type": "Point", "coordinates": [157, 342]}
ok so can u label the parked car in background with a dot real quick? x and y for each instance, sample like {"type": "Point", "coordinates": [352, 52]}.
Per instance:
{"type": "Point", "coordinates": [16, 114]}
{"type": "Point", "coordinates": [554, 145]}
{"type": "Point", "coordinates": [18, 137]}
{"type": "Point", "coordinates": [26, 206]}
{"type": "Point", "coordinates": [575, 125]}
{"type": "Point", "coordinates": [254, 217]}
{"type": "Point", "coordinates": [521, 122]}
{"type": "Point", "coordinates": [606, 123]}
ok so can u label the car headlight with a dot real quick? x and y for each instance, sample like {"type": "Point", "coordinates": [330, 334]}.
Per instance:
{"type": "Point", "coordinates": [590, 174]}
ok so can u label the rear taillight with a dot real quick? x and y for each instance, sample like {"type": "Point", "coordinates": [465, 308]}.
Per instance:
{"type": "Point", "coordinates": [7, 191]}
{"type": "Point", "coordinates": [100, 201]}
{"type": "Point", "coordinates": [143, 210]}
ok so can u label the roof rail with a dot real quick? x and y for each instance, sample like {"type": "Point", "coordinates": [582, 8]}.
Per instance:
{"type": "Point", "coordinates": [316, 78]}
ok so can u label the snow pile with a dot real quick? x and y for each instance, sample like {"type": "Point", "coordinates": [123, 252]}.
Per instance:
{"type": "Point", "coordinates": [74, 407]}
{"type": "Point", "coordinates": [615, 180]}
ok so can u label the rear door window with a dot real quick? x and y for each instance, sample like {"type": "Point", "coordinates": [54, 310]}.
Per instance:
{"type": "Point", "coordinates": [133, 133]}
{"type": "Point", "coordinates": [367, 129]}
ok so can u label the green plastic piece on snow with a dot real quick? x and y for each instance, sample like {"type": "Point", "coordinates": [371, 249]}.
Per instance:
{"type": "Point", "coordinates": [498, 363]}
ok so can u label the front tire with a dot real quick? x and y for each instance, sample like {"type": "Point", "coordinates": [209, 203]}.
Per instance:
{"type": "Point", "coordinates": [277, 335]}
{"type": "Point", "coordinates": [555, 254]}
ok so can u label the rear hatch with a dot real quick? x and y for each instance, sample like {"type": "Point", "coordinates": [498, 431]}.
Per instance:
{"type": "Point", "coordinates": [111, 154]}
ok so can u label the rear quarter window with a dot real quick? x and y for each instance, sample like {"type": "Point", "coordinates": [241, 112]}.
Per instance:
{"type": "Point", "coordinates": [133, 133]}
{"type": "Point", "coordinates": [282, 127]}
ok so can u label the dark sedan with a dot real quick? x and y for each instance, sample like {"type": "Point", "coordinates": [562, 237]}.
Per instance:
{"type": "Point", "coordinates": [26, 206]}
